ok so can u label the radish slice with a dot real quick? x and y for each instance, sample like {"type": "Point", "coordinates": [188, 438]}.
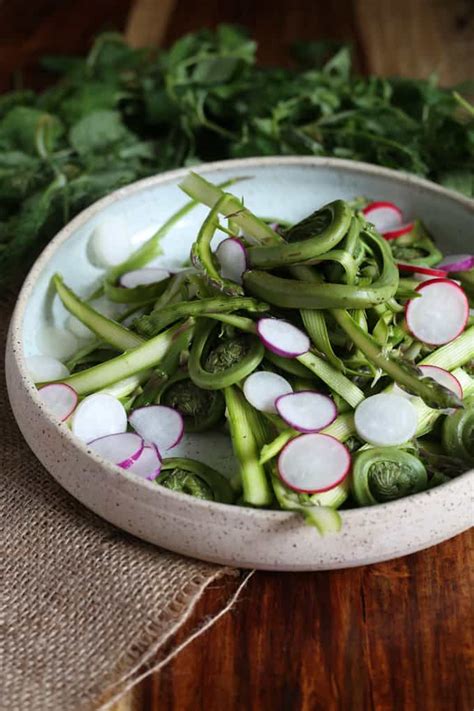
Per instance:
{"type": "Point", "coordinates": [98, 415]}
{"type": "Point", "coordinates": [232, 257]}
{"type": "Point", "coordinates": [109, 243]}
{"type": "Point", "coordinates": [398, 231]}
{"type": "Point", "coordinates": [386, 420]}
{"type": "Point", "coordinates": [440, 314]}
{"type": "Point", "coordinates": [417, 269]}
{"type": "Point", "coordinates": [457, 263]}
{"type": "Point", "coordinates": [140, 277]}
{"type": "Point", "coordinates": [306, 411]}
{"type": "Point", "coordinates": [56, 342]}
{"type": "Point", "coordinates": [263, 388]}
{"type": "Point", "coordinates": [312, 463]}
{"type": "Point", "coordinates": [148, 464]}
{"type": "Point", "coordinates": [383, 215]}
{"type": "Point", "coordinates": [42, 368]}
{"type": "Point", "coordinates": [121, 449]}
{"type": "Point", "coordinates": [443, 377]}
{"type": "Point", "coordinates": [282, 337]}
{"type": "Point", "coordinates": [60, 399]}
{"type": "Point", "coordinates": [161, 425]}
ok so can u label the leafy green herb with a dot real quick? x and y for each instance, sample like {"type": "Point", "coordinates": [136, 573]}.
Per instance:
{"type": "Point", "coordinates": [121, 114]}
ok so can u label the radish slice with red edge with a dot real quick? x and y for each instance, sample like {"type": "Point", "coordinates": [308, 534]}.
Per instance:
{"type": "Point", "coordinates": [148, 464]}
{"type": "Point", "coordinates": [383, 215]}
{"type": "Point", "coordinates": [98, 415]}
{"type": "Point", "coordinates": [42, 368]}
{"type": "Point", "coordinates": [282, 338]}
{"type": "Point", "coordinates": [142, 277]}
{"type": "Point", "coordinates": [312, 463]}
{"type": "Point", "coordinates": [59, 399]}
{"type": "Point", "coordinates": [457, 263]}
{"type": "Point", "coordinates": [418, 269]}
{"type": "Point", "coordinates": [398, 231]}
{"type": "Point", "coordinates": [439, 314]}
{"type": "Point", "coordinates": [121, 449]}
{"type": "Point", "coordinates": [386, 420]}
{"type": "Point", "coordinates": [263, 388]}
{"type": "Point", "coordinates": [232, 257]}
{"type": "Point", "coordinates": [443, 377]}
{"type": "Point", "coordinates": [306, 411]}
{"type": "Point", "coordinates": [161, 425]}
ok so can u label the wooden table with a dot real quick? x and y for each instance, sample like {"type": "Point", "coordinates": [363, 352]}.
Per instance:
{"type": "Point", "coordinates": [390, 637]}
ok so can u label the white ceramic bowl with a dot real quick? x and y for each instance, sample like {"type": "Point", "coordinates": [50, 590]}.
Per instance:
{"type": "Point", "coordinates": [290, 188]}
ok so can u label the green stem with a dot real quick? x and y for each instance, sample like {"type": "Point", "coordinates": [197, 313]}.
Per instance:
{"type": "Point", "coordinates": [333, 378]}
{"type": "Point", "coordinates": [141, 358]}
{"type": "Point", "coordinates": [256, 490]}
{"type": "Point", "coordinates": [103, 327]}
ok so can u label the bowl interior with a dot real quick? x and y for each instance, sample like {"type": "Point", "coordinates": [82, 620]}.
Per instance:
{"type": "Point", "coordinates": [280, 188]}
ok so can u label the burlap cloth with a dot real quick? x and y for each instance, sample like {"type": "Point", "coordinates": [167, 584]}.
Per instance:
{"type": "Point", "coordinates": [83, 606]}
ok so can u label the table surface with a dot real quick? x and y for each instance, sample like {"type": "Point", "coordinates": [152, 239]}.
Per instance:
{"type": "Point", "coordinates": [393, 636]}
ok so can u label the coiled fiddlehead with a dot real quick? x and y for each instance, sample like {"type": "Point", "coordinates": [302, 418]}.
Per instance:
{"type": "Point", "coordinates": [216, 365]}
{"type": "Point", "coordinates": [194, 478]}
{"type": "Point", "coordinates": [458, 434]}
{"type": "Point", "coordinates": [201, 409]}
{"type": "Point", "coordinates": [384, 474]}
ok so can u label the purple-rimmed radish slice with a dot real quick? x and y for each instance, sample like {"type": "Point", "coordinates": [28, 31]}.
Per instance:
{"type": "Point", "coordinates": [121, 449]}
{"type": "Point", "coordinates": [42, 368]}
{"type": "Point", "coordinates": [312, 463]}
{"type": "Point", "coordinates": [439, 314]}
{"type": "Point", "coordinates": [142, 277]}
{"type": "Point", "coordinates": [457, 263]}
{"type": "Point", "coordinates": [98, 415]}
{"type": "Point", "coordinates": [386, 420]}
{"type": "Point", "coordinates": [263, 388]}
{"type": "Point", "coordinates": [282, 338]}
{"type": "Point", "coordinates": [398, 231]}
{"type": "Point", "coordinates": [162, 426]}
{"type": "Point", "coordinates": [148, 464]}
{"type": "Point", "coordinates": [306, 411]}
{"type": "Point", "coordinates": [443, 377]}
{"type": "Point", "coordinates": [418, 269]}
{"type": "Point", "coordinates": [59, 399]}
{"type": "Point", "coordinates": [383, 215]}
{"type": "Point", "coordinates": [232, 257]}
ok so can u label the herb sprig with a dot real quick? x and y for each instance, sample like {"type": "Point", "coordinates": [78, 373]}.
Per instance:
{"type": "Point", "coordinates": [121, 114]}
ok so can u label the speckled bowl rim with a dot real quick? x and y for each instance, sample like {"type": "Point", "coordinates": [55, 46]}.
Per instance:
{"type": "Point", "coordinates": [350, 515]}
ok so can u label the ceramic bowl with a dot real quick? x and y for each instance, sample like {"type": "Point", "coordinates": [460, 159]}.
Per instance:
{"type": "Point", "coordinates": [289, 188]}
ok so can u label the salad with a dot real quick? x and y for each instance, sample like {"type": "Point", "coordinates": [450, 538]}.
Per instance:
{"type": "Point", "coordinates": [337, 353]}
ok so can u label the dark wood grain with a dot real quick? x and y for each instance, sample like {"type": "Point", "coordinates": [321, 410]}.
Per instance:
{"type": "Point", "coordinates": [391, 637]}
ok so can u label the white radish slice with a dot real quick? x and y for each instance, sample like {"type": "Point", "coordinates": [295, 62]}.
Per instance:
{"type": "Point", "coordinates": [109, 243]}
{"type": "Point", "coordinates": [383, 215]}
{"type": "Point", "coordinates": [141, 277]}
{"type": "Point", "coordinates": [386, 420]}
{"type": "Point", "coordinates": [263, 388]}
{"type": "Point", "coordinates": [42, 368]}
{"type": "Point", "coordinates": [398, 231]}
{"type": "Point", "coordinates": [56, 342]}
{"type": "Point", "coordinates": [59, 399]}
{"type": "Point", "coordinates": [418, 269]}
{"type": "Point", "coordinates": [98, 415]}
{"type": "Point", "coordinates": [457, 263]}
{"type": "Point", "coordinates": [163, 426]}
{"type": "Point", "coordinates": [148, 464]}
{"type": "Point", "coordinates": [232, 257]}
{"type": "Point", "coordinates": [312, 463]}
{"type": "Point", "coordinates": [282, 337]}
{"type": "Point", "coordinates": [306, 411]}
{"type": "Point", "coordinates": [121, 449]}
{"type": "Point", "coordinates": [443, 377]}
{"type": "Point", "coordinates": [439, 314]}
